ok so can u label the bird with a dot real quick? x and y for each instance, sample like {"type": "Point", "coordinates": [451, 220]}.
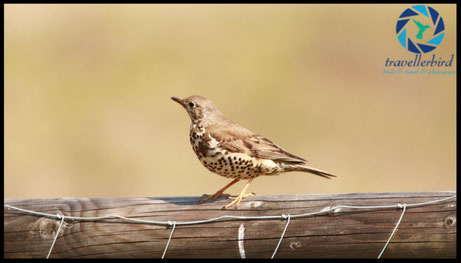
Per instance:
{"type": "Point", "coordinates": [422, 28]}
{"type": "Point", "coordinates": [230, 150]}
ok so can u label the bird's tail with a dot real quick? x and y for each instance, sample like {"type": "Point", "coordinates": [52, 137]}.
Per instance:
{"type": "Point", "coordinates": [303, 168]}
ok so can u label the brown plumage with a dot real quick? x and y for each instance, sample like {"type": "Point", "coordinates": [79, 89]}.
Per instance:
{"type": "Point", "coordinates": [233, 151]}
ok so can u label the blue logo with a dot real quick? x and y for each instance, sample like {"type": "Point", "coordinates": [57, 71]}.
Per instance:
{"type": "Point", "coordinates": [420, 29]}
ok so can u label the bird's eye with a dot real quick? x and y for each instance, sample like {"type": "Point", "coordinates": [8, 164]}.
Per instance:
{"type": "Point", "coordinates": [191, 104]}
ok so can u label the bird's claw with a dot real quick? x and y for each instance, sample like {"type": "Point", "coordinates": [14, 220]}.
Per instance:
{"type": "Point", "coordinates": [206, 197]}
{"type": "Point", "coordinates": [237, 200]}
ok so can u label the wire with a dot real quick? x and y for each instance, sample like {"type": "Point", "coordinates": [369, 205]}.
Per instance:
{"type": "Point", "coordinates": [169, 239]}
{"type": "Point", "coordinates": [404, 206]}
{"type": "Point", "coordinates": [283, 234]}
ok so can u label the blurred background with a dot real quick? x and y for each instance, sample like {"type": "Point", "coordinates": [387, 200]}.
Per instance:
{"type": "Point", "coordinates": [88, 110]}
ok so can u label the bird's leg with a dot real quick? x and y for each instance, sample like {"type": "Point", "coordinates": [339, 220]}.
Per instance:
{"type": "Point", "coordinates": [243, 197]}
{"type": "Point", "coordinates": [219, 193]}
{"type": "Point", "coordinates": [240, 197]}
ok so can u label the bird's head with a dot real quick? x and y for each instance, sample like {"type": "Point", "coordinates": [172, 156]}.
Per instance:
{"type": "Point", "coordinates": [199, 108]}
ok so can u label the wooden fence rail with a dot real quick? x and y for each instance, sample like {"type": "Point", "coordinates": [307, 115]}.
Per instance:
{"type": "Point", "coordinates": [425, 231]}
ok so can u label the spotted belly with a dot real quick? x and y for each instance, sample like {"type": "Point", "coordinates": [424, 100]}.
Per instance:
{"type": "Point", "coordinates": [229, 164]}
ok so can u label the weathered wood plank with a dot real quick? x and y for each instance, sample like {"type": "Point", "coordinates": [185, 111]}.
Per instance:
{"type": "Point", "coordinates": [428, 231]}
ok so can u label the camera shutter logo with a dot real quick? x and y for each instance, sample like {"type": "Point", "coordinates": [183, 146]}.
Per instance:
{"type": "Point", "coordinates": [420, 29]}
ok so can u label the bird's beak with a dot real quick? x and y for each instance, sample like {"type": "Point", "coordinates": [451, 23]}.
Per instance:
{"type": "Point", "coordinates": [178, 100]}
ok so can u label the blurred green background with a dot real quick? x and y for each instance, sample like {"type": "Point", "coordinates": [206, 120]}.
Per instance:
{"type": "Point", "coordinates": [88, 110]}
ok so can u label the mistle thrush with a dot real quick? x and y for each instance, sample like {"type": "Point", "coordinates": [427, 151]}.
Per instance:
{"type": "Point", "coordinates": [233, 151]}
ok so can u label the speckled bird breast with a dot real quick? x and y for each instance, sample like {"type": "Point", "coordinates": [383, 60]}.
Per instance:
{"type": "Point", "coordinates": [225, 163]}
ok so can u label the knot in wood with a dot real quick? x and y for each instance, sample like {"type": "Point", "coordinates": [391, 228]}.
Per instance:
{"type": "Point", "coordinates": [295, 245]}
{"type": "Point", "coordinates": [450, 221]}
{"type": "Point", "coordinates": [46, 228]}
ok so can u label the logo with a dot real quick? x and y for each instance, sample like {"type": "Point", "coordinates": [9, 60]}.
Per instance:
{"type": "Point", "coordinates": [420, 29]}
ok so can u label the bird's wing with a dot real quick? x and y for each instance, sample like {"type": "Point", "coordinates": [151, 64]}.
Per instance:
{"type": "Point", "coordinates": [235, 138]}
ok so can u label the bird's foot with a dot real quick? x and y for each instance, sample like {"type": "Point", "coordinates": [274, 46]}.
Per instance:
{"type": "Point", "coordinates": [237, 200]}
{"type": "Point", "coordinates": [215, 196]}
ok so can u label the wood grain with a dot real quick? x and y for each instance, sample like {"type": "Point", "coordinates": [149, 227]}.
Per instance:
{"type": "Point", "coordinates": [425, 232]}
